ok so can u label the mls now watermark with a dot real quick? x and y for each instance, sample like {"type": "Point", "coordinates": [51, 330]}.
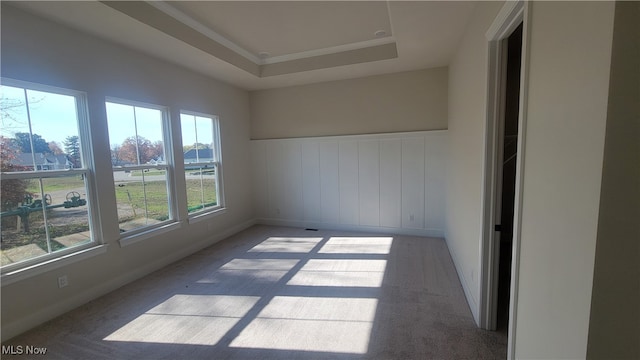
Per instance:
{"type": "Point", "coordinates": [23, 350]}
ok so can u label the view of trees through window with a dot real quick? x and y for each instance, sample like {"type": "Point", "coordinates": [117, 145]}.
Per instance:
{"type": "Point", "coordinates": [202, 160]}
{"type": "Point", "coordinates": [139, 165]}
{"type": "Point", "coordinates": [46, 176]}
{"type": "Point", "coordinates": [44, 206]}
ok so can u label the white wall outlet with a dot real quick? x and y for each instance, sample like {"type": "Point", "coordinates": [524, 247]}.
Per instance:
{"type": "Point", "coordinates": [411, 217]}
{"type": "Point", "coordinates": [63, 281]}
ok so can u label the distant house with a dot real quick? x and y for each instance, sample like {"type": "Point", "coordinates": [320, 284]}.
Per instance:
{"type": "Point", "coordinates": [202, 155]}
{"type": "Point", "coordinates": [157, 161]}
{"type": "Point", "coordinates": [43, 161]}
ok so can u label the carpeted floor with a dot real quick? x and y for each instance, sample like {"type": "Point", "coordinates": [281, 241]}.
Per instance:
{"type": "Point", "coordinates": [283, 293]}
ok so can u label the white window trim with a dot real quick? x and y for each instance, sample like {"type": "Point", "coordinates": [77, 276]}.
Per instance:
{"type": "Point", "coordinates": [209, 212]}
{"type": "Point", "coordinates": [203, 215]}
{"type": "Point", "coordinates": [137, 235]}
{"type": "Point", "coordinates": [147, 232]}
{"type": "Point", "coordinates": [41, 264]}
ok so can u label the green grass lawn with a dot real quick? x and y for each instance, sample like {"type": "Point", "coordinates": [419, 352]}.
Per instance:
{"type": "Point", "coordinates": [55, 184]}
{"type": "Point", "coordinates": [129, 195]}
{"type": "Point", "coordinates": [132, 196]}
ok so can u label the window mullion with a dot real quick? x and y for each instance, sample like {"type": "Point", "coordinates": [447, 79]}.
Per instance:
{"type": "Point", "coordinates": [56, 115]}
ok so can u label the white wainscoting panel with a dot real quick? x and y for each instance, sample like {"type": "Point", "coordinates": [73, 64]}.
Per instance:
{"type": "Point", "coordinates": [348, 173]}
{"type": "Point", "coordinates": [369, 182]}
{"type": "Point", "coordinates": [284, 175]}
{"type": "Point", "coordinates": [260, 181]}
{"type": "Point", "coordinates": [329, 182]}
{"type": "Point", "coordinates": [382, 182]}
{"type": "Point", "coordinates": [435, 170]}
{"type": "Point", "coordinates": [311, 181]}
{"type": "Point", "coordinates": [391, 183]}
{"type": "Point", "coordinates": [413, 183]}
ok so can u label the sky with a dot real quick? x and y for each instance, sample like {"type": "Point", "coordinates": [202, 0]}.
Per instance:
{"type": "Point", "coordinates": [54, 118]}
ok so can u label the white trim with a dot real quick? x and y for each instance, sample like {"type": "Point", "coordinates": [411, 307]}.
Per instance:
{"type": "Point", "coordinates": [506, 21]}
{"type": "Point", "coordinates": [469, 294]}
{"type": "Point", "coordinates": [45, 174]}
{"type": "Point", "coordinates": [206, 214]}
{"type": "Point", "coordinates": [141, 167]}
{"type": "Point", "coordinates": [217, 166]}
{"type": "Point", "coordinates": [4, 81]}
{"type": "Point", "coordinates": [34, 266]}
{"type": "Point", "coordinates": [522, 127]}
{"type": "Point", "coordinates": [148, 232]}
{"type": "Point", "coordinates": [49, 265]}
{"type": "Point", "coordinates": [397, 135]}
{"type": "Point", "coordinates": [39, 316]}
{"type": "Point", "coordinates": [126, 102]}
{"type": "Point", "coordinates": [433, 233]}
{"type": "Point", "coordinates": [509, 17]}
{"type": "Point", "coordinates": [327, 51]}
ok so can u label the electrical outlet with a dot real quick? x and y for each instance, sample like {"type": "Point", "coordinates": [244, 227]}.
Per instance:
{"type": "Point", "coordinates": [411, 218]}
{"type": "Point", "coordinates": [63, 281]}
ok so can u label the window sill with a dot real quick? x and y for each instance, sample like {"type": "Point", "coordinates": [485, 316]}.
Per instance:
{"type": "Point", "coordinates": [137, 237]}
{"type": "Point", "coordinates": [196, 218]}
{"type": "Point", "coordinates": [49, 265]}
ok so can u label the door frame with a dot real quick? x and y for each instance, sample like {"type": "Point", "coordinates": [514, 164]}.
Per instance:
{"type": "Point", "coordinates": [508, 19]}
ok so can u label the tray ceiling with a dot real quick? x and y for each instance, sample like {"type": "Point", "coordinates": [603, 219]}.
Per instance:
{"type": "Point", "coordinates": [265, 44]}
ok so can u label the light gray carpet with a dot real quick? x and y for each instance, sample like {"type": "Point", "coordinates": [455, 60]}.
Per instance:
{"type": "Point", "coordinates": [283, 293]}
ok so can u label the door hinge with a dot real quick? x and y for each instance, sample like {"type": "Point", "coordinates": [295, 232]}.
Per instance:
{"type": "Point", "coordinates": [498, 227]}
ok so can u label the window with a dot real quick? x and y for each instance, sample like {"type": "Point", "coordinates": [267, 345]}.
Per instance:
{"type": "Point", "coordinates": [141, 171]}
{"type": "Point", "coordinates": [46, 193]}
{"type": "Point", "coordinates": [202, 162]}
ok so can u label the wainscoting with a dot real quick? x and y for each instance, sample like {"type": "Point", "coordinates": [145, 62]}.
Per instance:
{"type": "Point", "coordinates": [382, 182]}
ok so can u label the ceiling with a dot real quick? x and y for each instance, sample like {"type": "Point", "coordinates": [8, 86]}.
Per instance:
{"type": "Point", "coordinates": [267, 44]}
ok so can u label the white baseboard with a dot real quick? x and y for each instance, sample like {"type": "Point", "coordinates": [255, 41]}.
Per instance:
{"type": "Point", "coordinates": [437, 233]}
{"type": "Point", "coordinates": [471, 299]}
{"type": "Point", "coordinates": [45, 314]}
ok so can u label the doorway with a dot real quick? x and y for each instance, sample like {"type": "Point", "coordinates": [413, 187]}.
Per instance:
{"type": "Point", "coordinates": [504, 168]}
{"type": "Point", "coordinates": [506, 172]}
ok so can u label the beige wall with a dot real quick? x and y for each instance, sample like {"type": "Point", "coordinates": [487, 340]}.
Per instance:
{"type": "Point", "coordinates": [570, 52]}
{"type": "Point", "coordinates": [408, 101]}
{"type": "Point", "coordinates": [467, 114]}
{"type": "Point", "coordinates": [614, 327]}
{"type": "Point", "coordinates": [40, 51]}
{"type": "Point", "coordinates": [564, 145]}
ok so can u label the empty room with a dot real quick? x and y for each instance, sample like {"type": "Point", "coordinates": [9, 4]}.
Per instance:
{"type": "Point", "coordinates": [320, 179]}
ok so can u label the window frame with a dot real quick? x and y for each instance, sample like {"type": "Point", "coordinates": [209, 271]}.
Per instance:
{"type": "Point", "coordinates": [207, 212]}
{"type": "Point", "coordinates": [87, 171]}
{"type": "Point", "coordinates": [145, 232]}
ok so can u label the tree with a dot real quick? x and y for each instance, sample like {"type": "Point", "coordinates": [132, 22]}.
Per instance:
{"type": "Point", "coordinates": [23, 142]}
{"type": "Point", "coordinates": [55, 148]}
{"type": "Point", "coordinates": [196, 145]}
{"type": "Point", "coordinates": [72, 148]}
{"type": "Point", "coordinates": [157, 150]}
{"type": "Point", "coordinates": [12, 191]}
{"type": "Point", "coordinates": [132, 146]}
{"type": "Point", "coordinates": [115, 155]}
